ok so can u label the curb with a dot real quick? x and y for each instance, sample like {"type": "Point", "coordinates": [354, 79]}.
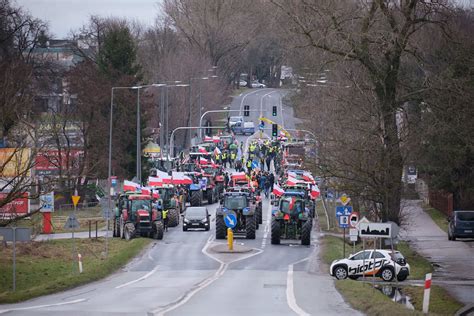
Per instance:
{"type": "Point", "coordinates": [223, 248]}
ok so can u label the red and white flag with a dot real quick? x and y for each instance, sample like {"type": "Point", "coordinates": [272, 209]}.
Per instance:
{"type": "Point", "coordinates": [155, 181]}
{"type": "Point", "coordinates": [216, 139]}
{"type": "Point", "coordinates": [314, 192]}
{"type": "Point", "coordinates": [207, 139]}
{"type": "Point", "coordinates": [292, 203]}
{"type": "Point", "coordinates": [277, 190]}
{"type": "Point", "coordinates": [130, 186]}
{"type": "Point", "coordinates": [308, 177]}
{"type": "Point", "coordinates": [202, 150]}
{"type": "Point", "coordinates": [155, 195]}
{"type": "Point", "coordinates": [164, 177]}
{"type": "Point", "coordinates": [217, 151]}
{"type": "Point", "coordinates": [146, 191]}
{"type": "Point", "coordinates": [292, 174]}
{"type": "Point", "coordinates": [181, 178]}
{"type": "Point", "coordinates": [203, 161]}
{"type": "Point", "coordinates": [291, 181]}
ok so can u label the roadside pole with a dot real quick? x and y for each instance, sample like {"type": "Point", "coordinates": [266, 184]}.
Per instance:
{"type": "Point", "coordinates": [14, 258]}
{"type": "Point", "coordinates": [344, 242]}
{"type": "Point", "coordinates": [75, 200]}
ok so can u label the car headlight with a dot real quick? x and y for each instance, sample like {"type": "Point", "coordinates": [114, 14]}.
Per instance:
{"type": "Point", "coordinates": [186, 220]}
{"type": "Point", "coordinates": [203, 220]}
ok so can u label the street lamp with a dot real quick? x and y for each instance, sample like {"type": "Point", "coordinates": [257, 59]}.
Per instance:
{"type": "Point", "coordinates": [177, 84]}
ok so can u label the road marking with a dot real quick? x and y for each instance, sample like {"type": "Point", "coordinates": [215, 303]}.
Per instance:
{"type": "Point", "coordinates": [42, 306]}
{"type": "Point", "coordinates": [243, 98]}
{"type": "Point", "coordinates": [261, 102]}
{"type": "Point", "coordinates": [203, 284]}
{"type": "Point", "coordinates": [290, 292]}
{"type": "Point", "coordinates": [139, 279]}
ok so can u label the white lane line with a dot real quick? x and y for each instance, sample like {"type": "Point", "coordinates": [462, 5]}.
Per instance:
{"type": "Point", "coordinates": [138, 280]}
{"type": "Point", "coordinates": [243, 98]}
{"type": "Point", "coordinates": [42, 306]}
{"type": "Point", "coordinates": [281, 111]}
{"type": "Point", "coordinates": [290, 292]}
{"type": "Point", "coordinates": [261, 102]}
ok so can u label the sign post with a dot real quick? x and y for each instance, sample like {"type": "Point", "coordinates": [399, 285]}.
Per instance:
{"type": "Point", "coordinates": [75, 224]}
{"type": "Point", "coordinates": [46, 208]}
{"type": "Point", "coordinates": [342, 214]}
{"type": "Point", "coordinates": [230, 220]}
{"type": "Point", "coordinates": [15, 234]}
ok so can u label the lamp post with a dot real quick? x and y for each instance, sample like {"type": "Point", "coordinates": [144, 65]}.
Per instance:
{"type": "Point", "coordinates": [200, 96]}
{"type": "Point", "coordinates": [177, 84]}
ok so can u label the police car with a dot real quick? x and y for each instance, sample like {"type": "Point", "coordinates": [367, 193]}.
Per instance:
{"type": "Point", "coordinates": [383, 263]}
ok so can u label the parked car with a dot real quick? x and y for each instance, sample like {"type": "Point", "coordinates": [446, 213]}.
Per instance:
{"type": "Point", "coordinates": [244, 128]}
{"type": "Point", "coordinates": [387, 266]}
{"type": "Point", "coordinates": [461, 224]}
{"type": "Point", "coordinates": [234, 120]}
{"type": "Point", "coordinates": [196, 217]}
{"type": "Point", "coordinates": [242, 83]}
{"type": "Point", "coordinates": [256, 84]}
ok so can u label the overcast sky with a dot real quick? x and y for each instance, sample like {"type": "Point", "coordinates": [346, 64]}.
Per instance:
{"type": "Point", "coordinates": [64, 15]}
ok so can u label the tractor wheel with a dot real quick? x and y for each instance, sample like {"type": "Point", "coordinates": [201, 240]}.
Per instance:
{"type": "Point", "coordinates": [116, 227]}
{"type": "Point", "coordinates": [210, 197]}
{"type": "Point", "coordinates": [173, 218]}
{"type": "Point", "coordinates": [121, 227]}
{"type": "Point", "coordinates": [250, 226]}
{"type": "Point", "coordinates": [157, 230]}
{"type": "Point", "coordinates": [129, 231]}
{"type": "Point", "coordinates": [220, 227]}
{"type": "Point", "coordinates": [306, 233]}
{"type": "Point", "coordinates": [260, 215]}
{"type": "Point", "coordinates": [276, 234]}
{"type": "Point", "coordinates": [195, 198]}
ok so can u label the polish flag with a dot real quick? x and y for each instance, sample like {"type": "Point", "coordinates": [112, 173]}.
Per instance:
{"type": "Point", "coordinates": [146, 191]}
{"type": "Point", "coordinates": [217, 151]}
{"type": "Point", "coordinates": [292, 174]}
{"type": "Point", "coordinates": [163, 176]}
{"type": "Point", "coordinates": [155, 181]}
{"type": "Point", "coordinates": [308, 177]}
{"type": "Point", "coordinates": [130, 186]}
{"type": "Point", "coordinates": [277, 190]}
{"type": "Point", "coordinates": [181, 178]}
{"type": "Point", "coordinates": [203, 161]}
{"type": "Point", "coordinates": [216, 139]}
{"type": "Point", "coordinates": [202, 150]}
{"type": "Point", "coordinates": [207, 139]}
{"type": "Point", "coordinates": [315, 192]}
{"type": "Point", "coordinates": [292, 203]}
{"type": "Point", "coordinates": [155, 195]}
{"type": "Point", "coordinates": [239, 175]}
{"type": "Point", "coordinates": [291, 181]}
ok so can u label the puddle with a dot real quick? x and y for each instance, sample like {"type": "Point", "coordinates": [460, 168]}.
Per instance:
{"type": "Point", "coordinates": [396, 294]}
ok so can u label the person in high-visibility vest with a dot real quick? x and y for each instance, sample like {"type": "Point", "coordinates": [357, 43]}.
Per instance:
{"type": "Point", "coordinates": [165, 219]}
{"type": "Point", "coordinates": [233, 155]}
{"type": "Point", "coordinates": [249, 166]}
{"type": "Point", "coordinates": [224, 158]}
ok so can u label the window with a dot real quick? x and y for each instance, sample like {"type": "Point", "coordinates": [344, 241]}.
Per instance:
{"type": "Point", "coordinates": [378, 255]}
{"type": "Point", "coordinates": [235, 202]}
{"type": "Point", "coordinates": [362, 255]}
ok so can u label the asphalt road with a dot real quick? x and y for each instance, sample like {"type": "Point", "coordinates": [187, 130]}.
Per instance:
{"type": "Point", "coordinates": [180, 275]}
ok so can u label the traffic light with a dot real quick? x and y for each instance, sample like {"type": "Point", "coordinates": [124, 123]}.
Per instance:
{"type": "Point", "coordinates": [274, 110]}
{"type": "Point", "coordinates": [275, 130]}
{"type": "Point", "coordinates": [246, 110]}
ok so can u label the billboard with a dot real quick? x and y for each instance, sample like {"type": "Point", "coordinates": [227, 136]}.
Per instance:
{"type": "Point", "coordinates": [19, 206]}
{"type": "Point", "coordinates": [50, 162]}
{"type": "Point", "coordinates": [14, 162]}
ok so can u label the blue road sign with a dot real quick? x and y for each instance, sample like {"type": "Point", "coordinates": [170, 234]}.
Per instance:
{"type": "Point", "coordinates": [230, 220]}
{"type": "Point", "coordinates": [343, 221]}
{"type": "Point", "coordinates": [343, 210]}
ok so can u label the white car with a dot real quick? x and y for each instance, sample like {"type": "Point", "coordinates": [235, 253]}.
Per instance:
{"type": "Point", "coordinates": [242, 83]}
{"type": "Point", "coordinates": [234, 120]}
{"type": "Point", "coordinates": [387, 265]}
{"type": "Point", "coordinates": [256, 84]}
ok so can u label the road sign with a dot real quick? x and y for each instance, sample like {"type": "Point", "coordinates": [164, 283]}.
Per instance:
{"type": "Point", "coordinates": [378, 230]}
{"type": "Point", "coordinates": [75, 199]}
{"type": "Point", "coordinates": [343, 221]}
{"type": "Point", "coordinates": [15, 234]}
{"type": "Point", "coordinates": [354, 219]}
{"type": "Point", "coordinates": [344, 199]}
{"type": "Point", "coordinates": [71, 222]}
{"type": "Point", "coordinates": [353, 234]}
{"type": "Point", "coordinates": [343, 210]}
{"type": "Point", "coordinates": [47, 202]}
{"type": "Point", "coordinates": [230, 219]}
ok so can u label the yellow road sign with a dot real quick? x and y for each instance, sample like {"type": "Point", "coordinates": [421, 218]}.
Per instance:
{"type": "Point", "coordinates": [75, 199]}
{"type": "Point", "coordinates": [344, 199]}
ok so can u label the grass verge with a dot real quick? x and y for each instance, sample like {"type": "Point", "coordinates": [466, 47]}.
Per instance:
{"type": "Point", "coordinates": [237, 92]}
{"type": "Point", "coordinates": [438, 217]}
{"type": "Point", "coordinates": [47, 267]}
{"type": "Point", "coordinates": [362, 296]}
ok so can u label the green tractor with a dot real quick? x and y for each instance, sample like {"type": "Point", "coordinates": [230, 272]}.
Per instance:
{"type": "Point", "coordinates": [167, 193]}
{"type": "Point", "coordinates": [135, 216]}
{"type": "Point", "coordinates": [244, 208]}
{"type": "Point", "coordinates": [291, 220]}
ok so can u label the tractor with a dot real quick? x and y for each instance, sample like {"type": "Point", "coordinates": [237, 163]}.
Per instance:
{"type": "Point", "coordinates": [202, 188]}
{"type": "Point", "coordinates": [239, 203]}
{"type": "Point", "coordinates": [135, 216]}
{"type": "Point", "coordinates": [170, 202]}
{"type": "Point", "coordinates": [291, 219]}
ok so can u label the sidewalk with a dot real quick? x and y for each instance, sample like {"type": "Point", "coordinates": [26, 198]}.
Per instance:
{"type": "Point", "coordinates": [81, 235]}
{"type": "Point", "coordinates": [452, 260]}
